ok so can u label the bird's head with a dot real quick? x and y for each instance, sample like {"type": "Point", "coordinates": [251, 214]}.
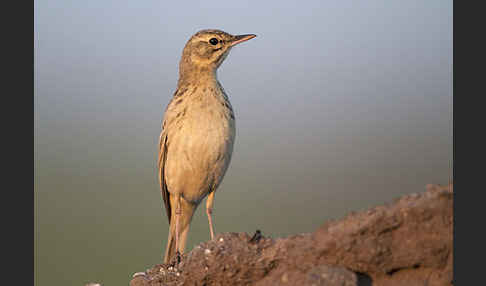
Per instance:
{"type": "Point", "coordinates": [207, 49]}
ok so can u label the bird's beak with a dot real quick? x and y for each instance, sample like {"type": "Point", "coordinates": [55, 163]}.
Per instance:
{"type": "Point", "coordinates": [241, 38]}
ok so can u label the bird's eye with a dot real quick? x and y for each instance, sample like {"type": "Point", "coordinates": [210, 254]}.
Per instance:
{"type": "Point", "coordinates": [213, 41]}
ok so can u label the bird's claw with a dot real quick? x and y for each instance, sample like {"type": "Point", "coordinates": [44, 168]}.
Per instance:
{"type": "Point", "coordinates": [177, 259]}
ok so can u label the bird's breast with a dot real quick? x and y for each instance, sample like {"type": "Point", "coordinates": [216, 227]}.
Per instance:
{"type": "Point", "coordinates": [200, 148]}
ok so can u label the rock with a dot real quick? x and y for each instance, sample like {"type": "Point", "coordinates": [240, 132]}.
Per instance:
{"type": "Point", "coordinates": [407, 242]}
{"type": "Point", "coordinates": [139, 281]}
{"type": "Point", "coordinates": [319, 275]}
{"type": "Point", "coordinates": [328, 275]}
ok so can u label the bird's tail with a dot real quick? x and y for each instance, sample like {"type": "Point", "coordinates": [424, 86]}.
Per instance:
{"type": "Point", "coordinates": [187, 211]}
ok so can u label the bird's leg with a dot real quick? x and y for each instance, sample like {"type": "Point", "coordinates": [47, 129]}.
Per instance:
{"type": "Point", "coordinates": [209, 211]}
{"type": "Point", "coordinates": [177, 222]}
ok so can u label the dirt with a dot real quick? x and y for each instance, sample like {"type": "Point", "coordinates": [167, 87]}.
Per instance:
{"type": "Point", "coordinates": [406, 242]}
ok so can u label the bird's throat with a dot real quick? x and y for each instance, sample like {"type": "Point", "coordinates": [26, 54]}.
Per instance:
{"type": "Point", "coordinates": [196, 75]}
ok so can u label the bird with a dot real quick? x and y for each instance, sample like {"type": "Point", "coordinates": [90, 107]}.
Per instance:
{"type": "Point", "coordinates": [197, 136]}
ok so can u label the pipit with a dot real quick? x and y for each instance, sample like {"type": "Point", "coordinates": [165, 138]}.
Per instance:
{"type": "Point", "coordinates": [198, 132]}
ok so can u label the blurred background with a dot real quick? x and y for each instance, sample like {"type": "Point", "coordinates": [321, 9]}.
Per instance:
{"type": "Point", "coordinates": [340, 106]}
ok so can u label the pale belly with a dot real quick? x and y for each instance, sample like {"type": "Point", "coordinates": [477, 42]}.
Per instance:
{"type": "Point", "coordinates": [199, 154]}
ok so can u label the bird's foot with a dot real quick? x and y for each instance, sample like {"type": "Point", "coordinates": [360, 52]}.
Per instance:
{"type": "Point", "coordinates": [177, 259]}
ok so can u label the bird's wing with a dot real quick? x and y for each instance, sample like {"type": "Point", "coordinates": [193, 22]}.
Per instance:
{"type": "Point", "coordinates": [171, 113]}
{"type": "Point", "coordinates": [161, 167]}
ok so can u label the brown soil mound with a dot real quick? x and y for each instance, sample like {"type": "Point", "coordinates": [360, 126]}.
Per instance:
{"type": "Point", "coordinates": [407, 242]}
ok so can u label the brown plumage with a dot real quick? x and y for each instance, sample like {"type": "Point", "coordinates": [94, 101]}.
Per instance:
{"type": "Point", "coordinates": [197, 135]}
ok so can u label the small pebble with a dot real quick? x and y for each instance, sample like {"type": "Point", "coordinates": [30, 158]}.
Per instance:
{"type": "Point", "coordinates": [285, 278]}
{"type": "Point", "coordinates": [207, 251]}
{"type": "Point", "coordinates": [138, 274]}
{"type": "Point", "coordinates": [221, 239]}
